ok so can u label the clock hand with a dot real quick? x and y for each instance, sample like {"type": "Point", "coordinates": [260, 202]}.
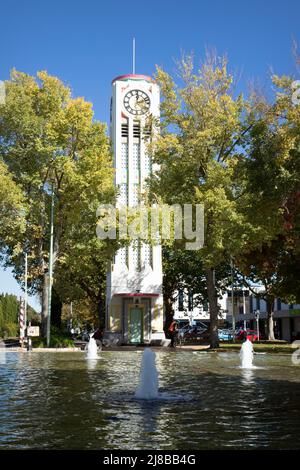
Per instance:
{"type": "Point", "coordinates": [139, 103]}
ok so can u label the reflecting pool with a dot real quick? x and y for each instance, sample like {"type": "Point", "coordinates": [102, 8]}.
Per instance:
{"type": "Point", "coordinates": [206, 401]}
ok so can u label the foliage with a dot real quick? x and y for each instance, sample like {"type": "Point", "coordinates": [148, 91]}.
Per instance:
{"type": "Point", "coordinates": [49, 142]}
{"type": "Point", "coordinates": [9, 330]}
{"type": "Point", "coordinates": [183, 271]}
{"type": "Point", "coordinates": [83, 315]}
{"type": "Point", "coordinates": [9, 315]}
{"type": "Point", "coordinates": [272, 181]}
{"type": "Point", "coordinates": [81, 272]}
{"type": "Point", "coordinates": [58, 339]}
{"type": "Point", "coordinates": [12, 207]}
{"type": "Point", "coordinates": [204, 126]}
{"type": "Point", "coordinates": [240, 159]}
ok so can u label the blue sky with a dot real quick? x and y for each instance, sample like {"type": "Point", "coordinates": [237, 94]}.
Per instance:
{"type": "Point", "coordinates": [88, 43]}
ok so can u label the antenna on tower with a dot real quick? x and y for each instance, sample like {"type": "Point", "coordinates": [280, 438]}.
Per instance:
{"type": "Point", "coordinates": [133, 56]}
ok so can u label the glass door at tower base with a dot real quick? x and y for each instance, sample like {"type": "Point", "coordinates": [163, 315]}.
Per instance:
{"type": "Point", "coordinates": [135, 327]}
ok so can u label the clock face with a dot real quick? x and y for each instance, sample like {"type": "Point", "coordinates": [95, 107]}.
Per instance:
{"type": "Point", "coordinates": [137, 102]}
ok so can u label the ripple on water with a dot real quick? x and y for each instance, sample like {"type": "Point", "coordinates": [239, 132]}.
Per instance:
{"type": "Point", "coordinates": [205, 401]}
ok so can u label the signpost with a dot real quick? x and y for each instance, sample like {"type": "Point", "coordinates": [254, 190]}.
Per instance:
{"type": "Point", "coordinates": [33, 331]}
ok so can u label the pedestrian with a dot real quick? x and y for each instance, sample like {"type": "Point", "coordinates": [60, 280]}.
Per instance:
{"type": "Point", "coordinates": [173, 331]}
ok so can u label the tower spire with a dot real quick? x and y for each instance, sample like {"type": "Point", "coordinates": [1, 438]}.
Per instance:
{"type": "Point", "coordinates": [133, 56]}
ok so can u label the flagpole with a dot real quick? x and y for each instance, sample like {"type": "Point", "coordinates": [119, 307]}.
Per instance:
{"type": "Point", "coordinates": [133, 56]}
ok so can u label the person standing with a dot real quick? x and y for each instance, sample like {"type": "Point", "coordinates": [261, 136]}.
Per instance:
{"type": "Point", "coordinates": [173, 331]}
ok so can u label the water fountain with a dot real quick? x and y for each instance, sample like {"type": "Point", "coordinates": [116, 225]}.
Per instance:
{"type": "Point", "coordinates": [92, 349]}
{"type": "Point", "coordinates": [188, 386]}
{"type": "Point", "coordinates": [246, 355]}
{"type": "Point", "coordinates": [148, 388]}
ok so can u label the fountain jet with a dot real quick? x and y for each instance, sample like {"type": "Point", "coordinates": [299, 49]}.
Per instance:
{"type": "Point", "coordinates": [92, 349]}
{"type": "Point", "coordinates": [246, 355]}
{"type": "Point", "coordinates": [148, 388]}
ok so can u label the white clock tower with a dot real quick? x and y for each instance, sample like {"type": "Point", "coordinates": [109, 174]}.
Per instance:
{"type": "Point", "coordinates": [134, 308]}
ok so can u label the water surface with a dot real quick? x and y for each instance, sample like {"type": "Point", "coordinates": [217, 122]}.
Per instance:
{"type": "Point", "coordinates": [63, 401]}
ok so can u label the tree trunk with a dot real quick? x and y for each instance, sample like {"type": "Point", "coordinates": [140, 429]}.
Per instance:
{"type": "Point", "coordinates": [42, 265]}
{"type": "Point", "coordinates": [270, 321]}
{"type": "Point", "coordinates": [45, 285]}
{"type": "Point", "coordinates": [213, 308]}
{"type": "Point", "coordinates": [44, 314]}
{"type": "Point", "coordinates": [56, 307]}
{"type": "Point", "coordinates": [169, 312]}
{"type": "Point", "coordinates": [101, 309]}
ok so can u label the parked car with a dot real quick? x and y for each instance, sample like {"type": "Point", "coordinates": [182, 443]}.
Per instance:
{"type": "Point", "coordinates": [225, 335]}
{"type": "Point", "coordinates": [248, 334]}
{"type": "Point", "coordinates": [196, 332]}
{"type": "Point", "coordinates": [193, 332]}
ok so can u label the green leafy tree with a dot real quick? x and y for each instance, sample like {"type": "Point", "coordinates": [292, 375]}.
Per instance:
{"type": "Point", "coordinates": [49, 142]}
{"type": "Point", "coordinates": [9, 315]}
{"type": "Point", "coordinates": [271, 202]}
{"type": "Point", "coordinates": [183, 271]}
{"type": "Point", "coordinates": [204, 126]}
{"type": "Point", "coordinates": [12, 209]}
{"type": "Point", "coordinates": [81, 275]}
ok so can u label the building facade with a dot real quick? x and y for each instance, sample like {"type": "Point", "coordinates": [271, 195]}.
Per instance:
{"type": "Point", "coordinates": [245, 306]}
{"type": "Point", "coordinates": [134, 309]}
{"type": "Point", "coordinates": [188, 308]}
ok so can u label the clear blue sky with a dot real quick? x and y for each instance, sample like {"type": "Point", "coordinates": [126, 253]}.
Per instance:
{"type": "Point", "coordinates": [88, 43]}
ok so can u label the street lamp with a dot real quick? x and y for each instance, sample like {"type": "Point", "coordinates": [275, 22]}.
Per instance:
{"type": "Point", "coordinates": [50, 269]}
{"type": "Point", "coordinates": [232, 300]}
{"type": "Point", "coordinates": [257, 313]}
{"type": "Point", "coordinates": [26, 290]}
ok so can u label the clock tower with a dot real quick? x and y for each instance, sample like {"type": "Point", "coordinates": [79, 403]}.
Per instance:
{"type": "Point", "coordinates": [134, 305]}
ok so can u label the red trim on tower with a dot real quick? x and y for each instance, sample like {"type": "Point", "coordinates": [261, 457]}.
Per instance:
{"type": "Point", "coordinates": [133, 76]}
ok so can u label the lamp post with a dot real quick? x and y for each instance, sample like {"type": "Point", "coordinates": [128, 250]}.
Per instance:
{"type": "Point", "coordinates": [50, 270]}
{"type": "Point", "coordinates": [26, 291]}
{"type": "Point", "coordinates": [257, 313]}
{"type": "Point", "coordinates": [244, 310]}
{"type": "Point", "coordinates": [232, 301]}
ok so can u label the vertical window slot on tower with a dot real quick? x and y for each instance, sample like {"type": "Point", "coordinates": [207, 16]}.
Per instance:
{"type": "Point", "coordinates": [124, 128]}
{"type": "Point", "coordinates": [136, 129]}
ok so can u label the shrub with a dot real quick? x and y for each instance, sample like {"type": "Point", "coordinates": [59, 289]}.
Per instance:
{"type": "Point", "coordinates": [9, 330]}
{"type": "Point", "coordinates": [58, 339]}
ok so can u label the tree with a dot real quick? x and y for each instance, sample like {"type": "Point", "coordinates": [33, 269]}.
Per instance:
{"type": "Point", "coordinates": [81, 273]}
{"type": "Point", "coordinates": [272, 179]}
{"type": "Point", "coordinates": [9, 315]}
{"type": "Point", "coordinates": [180, 272]}
{"type": "Point", "coordinates": [203, 128]}
{"type": "Point", "coordinates": [50, 143]}
{"type": "Point", "coordinates": [183, 271]}
{"type": "Point", "coordinates": [12, 208]}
